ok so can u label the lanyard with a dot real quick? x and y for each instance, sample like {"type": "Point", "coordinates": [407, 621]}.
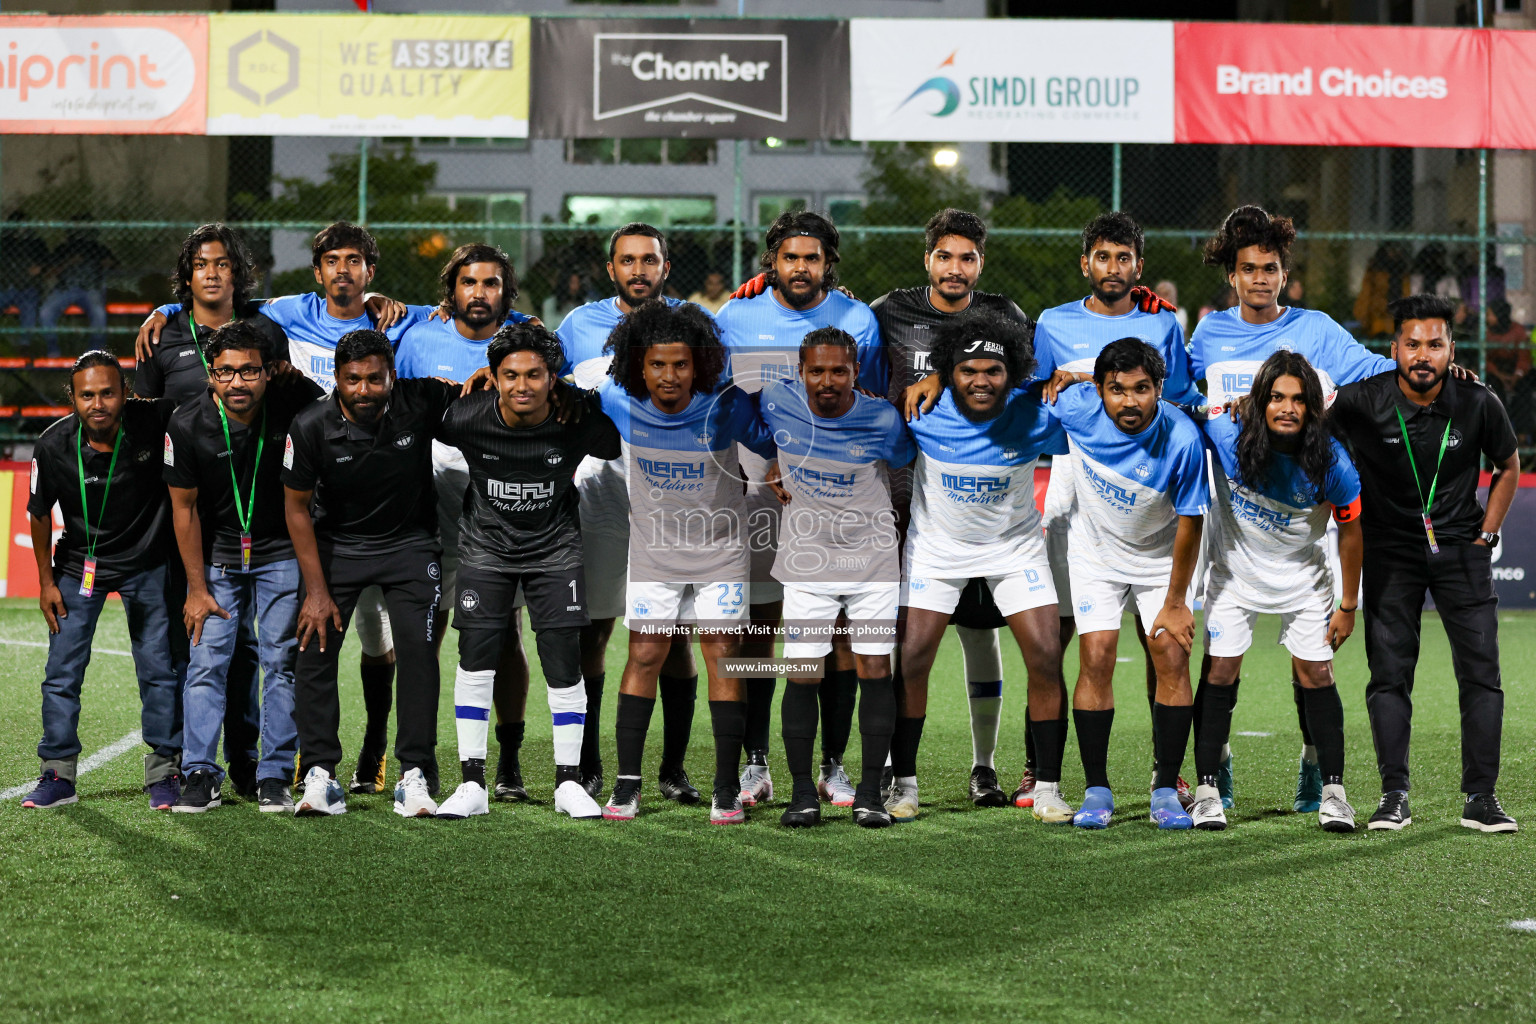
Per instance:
{"type": "Point", "coordinates": [192, 326]}
{"type": "Point", "coordinates": [1445, 436]}
{"type": "Point", "coordinates": [244, 512]}
{"type": "Point", "coordinates": [88, 577]}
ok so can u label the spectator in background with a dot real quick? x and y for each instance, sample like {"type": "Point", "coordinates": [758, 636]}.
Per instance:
{"type": "Point", "coordinates": [1386, 279]}
{"type": "Point", "coordinates": [22, 258]}
{"type": "Point", "coordinates": [713, 294]}
{"type": "Point", "coordinates": [1295, 294]}
{"type": "Point", "coordinates": [1466, 276]}
{"type": "Point", "coordinates": [558, 305]}
{"type": "Point", "coordinates": [79, 275]}
{"type": "Point", "coordinates": [1169, 293]}
{"type": "Point", "coordinates": [1225, 299]}
{"type": "Point", "coordinates": [1509, 352]}
{"type": "Point", "coordinates": [1431, 274]}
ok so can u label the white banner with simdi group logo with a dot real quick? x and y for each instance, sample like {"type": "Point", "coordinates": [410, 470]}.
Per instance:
{"type": "Point", "coordinates": [1019, 80]}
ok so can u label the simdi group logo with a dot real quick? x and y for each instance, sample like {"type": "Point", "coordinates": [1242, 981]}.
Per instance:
{"type": "Point", "coordinates": [997, 95]}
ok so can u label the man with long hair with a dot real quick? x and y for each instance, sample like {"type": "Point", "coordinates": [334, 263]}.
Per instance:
{"type": "Point", "coordinates": [1277, 477]}
{"type": "Point", "coordinates": [687, 536]}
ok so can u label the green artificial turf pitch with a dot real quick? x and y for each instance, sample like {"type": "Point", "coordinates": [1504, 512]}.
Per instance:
{"type": "Point", "coordinates": [109, 912]}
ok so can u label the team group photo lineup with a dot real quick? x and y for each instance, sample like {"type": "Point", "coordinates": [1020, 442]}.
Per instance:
{"type": "Point", "coordinates": [811, 487]}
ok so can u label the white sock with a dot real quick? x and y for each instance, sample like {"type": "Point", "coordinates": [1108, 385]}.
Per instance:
{"type": "Point", "coordinates": [472, 710]}
{"type": "Point", "coordinates": [906, 782]}
{"type": "Point", "coordinates": [568, 712]}
{"type": "Point", "coordinates": [1309, 754]}
{"type": "Point", "coordinates": [1042, 788]}
{"type": "Point", "coordinates": [983, 675]}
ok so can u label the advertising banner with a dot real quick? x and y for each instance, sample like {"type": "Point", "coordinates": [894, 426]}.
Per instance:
{"type": "Point", "coordinates": [407, 74]}
{"type": "Point", "coordinates": [1513, 117]}
{"type": "Point", "coordinates": [117, 74]}
{"type": "Point", "coordinates": [1023, 80]}
{"type": "Point", "coordinates": [647, 78]}
{"type": "Point", "coordinates": [1331, 85]}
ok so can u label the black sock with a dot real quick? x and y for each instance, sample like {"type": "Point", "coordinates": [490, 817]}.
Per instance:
{"type": "Point", "coordinates": [633, 720]}
{"type": "Point", "coordinates": [1093, 744]}
{"type": "Point", "coordinates": [797, 712]}
{"type": "Point", "coordinates": [1325, 715]}
{"type": "Point", "coordinates": [567, 773]}
{"type": "Point", "coordinates": [904, 743]}
{"type": "Point", "coordinates": [839, 694]}
{"type": "Point", "coordinates": [473, 769]}
{"type": "Point", "coordinates": [877, 721]}
{"type": "Point", "coordinates": [509, 737]}
{"type": "Point", "coordinates": [591, 730]}
{"type": "Point", "coordinates": [1031, 755]}
{"type": "Point", "coordinates": [1298, 694]}
{"type": "Point", "coordinates": [759, 714]}
{"type": "Point", "coordinates": [1171, 727]}
{"type": "Point", "coordinates": [678, 696]}
{"type": "Point", "coordinates": [728, 718]}
{"type": "Point", "coordinates": [1050, 744]}
{"type": "Point", "coordinates": [378, 696]}
{"type": "Point", "coordinates": [1215, 718]}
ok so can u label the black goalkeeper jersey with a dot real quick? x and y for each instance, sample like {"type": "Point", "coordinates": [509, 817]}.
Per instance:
{"type": "Point", "coordinates": [520, 509]}
{"type": "Point", "coordinates": [907, 323]}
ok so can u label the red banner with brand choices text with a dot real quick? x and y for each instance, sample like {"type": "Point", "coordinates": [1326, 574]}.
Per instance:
{"type": "Point", "coordinates": [1332, 85]}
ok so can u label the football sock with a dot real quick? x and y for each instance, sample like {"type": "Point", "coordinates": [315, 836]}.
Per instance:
{"type": "Point", "coordinates": [1171, 728]}
{"type": "Point", "coordinates": [472, 711]}
{"type": "Point", "coordinates": [591, 752]}
{"type": "Point", "coordinates": [1093, 744]}
{"type": "Point", "coordinates": [1215, 728]}
{"type": "Point", "coordinates": [986, 701]}
{"type": "Point", "coordinates": [1325, 714]}
{"type": "Point", "coordinates": [1050, 745]}
{"type": "Point", "coordinates": [509, 737]}
{"type": "Point", "coordinates": [759, 712]}
{"type": "Point", "coordinates": [473, 770]}
{"type": "Point", "coordinates": [634, 718]}
{"type": "Point", "coordinates": [1031, 749]}
{"type": "Point", "coordinates": [728, 718]}
{"type": "Point", "coordinates": [877, 721]}
{"type": "Point", "coordinates": [1298, 695]}
{"type": "Point", "coordinates": [798, 717]}
{"type": "Point", "coordinates": [904, 743]}
{"type": "Point", "coordinates": [567, 713]}
{"type": "Point", "coordinates": [378, 696]}
{"type": "Point", "coordinates": [839, 694]}
{"type": "Point", "coordinates": [679, 694]}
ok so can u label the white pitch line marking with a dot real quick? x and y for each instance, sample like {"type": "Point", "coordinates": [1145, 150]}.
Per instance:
{"type": "Point", "coordinates": [91, 763]}
{"type": "Point", "coordinates": [1258, 734]}
{"type": "Point", "coordinates": [1527, 925]}
{"type": "Point", "coordinates": [39, 643]}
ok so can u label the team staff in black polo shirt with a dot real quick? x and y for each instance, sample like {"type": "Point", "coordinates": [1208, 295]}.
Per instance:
{"type": "Point", "coordinates": [1418, 436]}
{"type": "Point", "coordinates": [214, 279]}
{"type": "Point", "coordinates": [360, 462]}
{"type": "Point", "coordinates": [98, 464]}
{"type": "Point", "coordinates": [223, 456]}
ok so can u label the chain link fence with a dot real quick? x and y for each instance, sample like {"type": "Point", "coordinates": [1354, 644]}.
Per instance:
{"type": "Point", "coordinates": [94, 224]}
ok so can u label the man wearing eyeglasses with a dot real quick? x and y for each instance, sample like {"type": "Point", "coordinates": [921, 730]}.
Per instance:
{"type": "Point", "coordinates": [223, 459]}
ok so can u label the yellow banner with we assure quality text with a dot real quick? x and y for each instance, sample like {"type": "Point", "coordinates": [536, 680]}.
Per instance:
{"type": "Point", "coordinates": [375, 74]}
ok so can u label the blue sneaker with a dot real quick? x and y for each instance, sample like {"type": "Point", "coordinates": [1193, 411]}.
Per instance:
{"type": "Point", "coordinates": [1098, 805]}
{"type": "Point", "coordinates": [1168, 812]}
{"type": "Point", "coordinates": [1309, 787]}
{"type": "Point", "coordinates": [51, 791]}
{"type": "Point", "coordinates": [164, 793]}
{"type": "Point", "coordinates": [1224, 781]}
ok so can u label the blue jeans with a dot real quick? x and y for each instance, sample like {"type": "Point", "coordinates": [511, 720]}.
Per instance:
{"type": "Point", "coordinates": [268, 596]}
{"type": "Point", "coordinates": [92, 300]}
{"type": "Point", "coordinates": [69, 652]}
{"type": "Point", "coordinates": [25, 301]}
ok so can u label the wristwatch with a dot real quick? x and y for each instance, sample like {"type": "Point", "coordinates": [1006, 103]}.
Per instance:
{"type": "Point", "coordinates": [1491, 539]}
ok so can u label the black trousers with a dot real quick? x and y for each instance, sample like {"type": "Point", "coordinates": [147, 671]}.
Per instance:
{"type": "Point", "coordinates": [1460, 578]}
{"type": "Point", "coordinates": [412, 584]}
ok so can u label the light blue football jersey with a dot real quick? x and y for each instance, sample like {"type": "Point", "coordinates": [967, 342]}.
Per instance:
{"type": "Point", "coordinates": [1071, 336]}
{"type": "Point", "coordinates": [1227, 351]}
{"type": "Point", "coordinates": [762, 337]}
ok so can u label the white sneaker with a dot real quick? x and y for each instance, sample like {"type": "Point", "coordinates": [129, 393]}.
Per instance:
{"type": "Point", "coordinates": [902, 804]}
{"type": "Point", "coordinates": [1206, 811]}
{"type": "Point", "coordinates": [412, 800]}
{"type": "Point", "coordinates": [571, 799]}
{"type": "Point", "coordinates": [833, 784]}
{"type": "Point", "coordinates": [1334, 813]}
{"type": "Point", "coordinates": [322, 795]}
{"type": "Point", "coordinates": [467, 801]}
{"type": "Point", "coordinates": [756, 785]}
{"type": "Point", "coordinates": [1049, 807]}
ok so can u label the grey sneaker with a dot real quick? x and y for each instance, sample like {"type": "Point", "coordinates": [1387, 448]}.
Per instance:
{"type": "Point", "coordinates": [1333, 812]}
{"type": "Point", "coordinates": [833, 784]}
{"type": "Point", "coordinates": [274, 796]}
{"type": "Point", "coordinates": [1207, 812]}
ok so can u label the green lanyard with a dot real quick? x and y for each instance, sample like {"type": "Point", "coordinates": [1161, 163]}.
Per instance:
{"type": "Point", "coordinates": [192, 325]}
{"type": "Point", "coordinates": [88, 577]}
{"type": "Point", "coordinates": [1429, 526]}
{"type": "Point", "coordinates": [244, 512]}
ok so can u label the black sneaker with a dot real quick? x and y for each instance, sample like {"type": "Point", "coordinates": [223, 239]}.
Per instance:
{"type": "Point", "coordinates": [509, 786]}
{"type": "Point", "coordinates": [887, 782]}
{"type": "Point", "coordinates": [804, 810]}
{"type": "Point", "coordinates": [200, 794]}
{"type": "Point", "coordinates": [870, 813]}
{"type": "Point", "coordinates": [1392, 813]}
{"type": "Point", "coordinates": [1482, 812]}
{"type": "Point", "coordinates": [985, 792]}
{"type": "Point", "coordinates": [674, 785]}
{"type": "Point", "coordinates": [369, 776]}
{"type": "Point", "coordinates": [242, 778]}
{"type": "Point", "coordinates": [592, 780]}
{"type": "Point", "coordinates": [274, 796]}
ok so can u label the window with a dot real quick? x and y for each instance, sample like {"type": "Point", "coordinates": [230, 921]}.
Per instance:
{"type": "Point", "coordinates": [845, 209]}
{"type": "Point", "coordinates": [669, 152]}
{"type": "Point", "coordinates": [491, 209]}
{"type": "Point", "coordinates": [439, 142]}
{"type": "Point", "coordinates": [777, 145]}
{"type": "Point", "coordinates": [769, 206]}
{"type": "Point", "coordinates": [662, 211]}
